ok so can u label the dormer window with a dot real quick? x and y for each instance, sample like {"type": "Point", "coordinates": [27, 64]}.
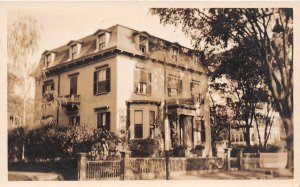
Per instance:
{"type": "Point", "coordinates": [47, 60]}
{"type": "Point", "coordinates": [195, 59]}
{"type": "Point", "coordinates": [174, 54]}
{"type": "Point", "coordinates": [48, 57]}
{"type": "Point", "coordinates": [143, 42]}
{"type": "Point", "coordinates": [74, 51]}
{"type": "Point", "coordinates": [102, 41]}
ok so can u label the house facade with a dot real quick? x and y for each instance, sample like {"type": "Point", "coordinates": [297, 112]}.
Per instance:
{"type": "Point", "coordinates": [120, 78]}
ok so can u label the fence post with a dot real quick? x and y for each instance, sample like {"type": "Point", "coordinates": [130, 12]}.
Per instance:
{"type": "Point", "coordinates": [240, 159]}
{"type": "Point", "coordinates": [227, 158]}
{"type": "Point", "coordinates": [122, 176]}
{"type": "Point", "coordinates": [81, 166]}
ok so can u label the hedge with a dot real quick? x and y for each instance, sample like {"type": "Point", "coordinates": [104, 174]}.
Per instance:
{"type": "Point", "coordinates": [52, 142]}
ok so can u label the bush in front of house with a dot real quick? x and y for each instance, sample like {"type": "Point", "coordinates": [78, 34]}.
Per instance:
{"type": "Point", "coordinates": [255, 149]}
{"type": "Point", "coordinates": [143, 147]}
{"type": "Point", "coordinates": [48, 142]}
{"type": "Point", "coordinates": [16, 139]}
{"type": "Point", "coordinates": [105, 145]}
{"type": "Point", "coordinates": [64, 142]}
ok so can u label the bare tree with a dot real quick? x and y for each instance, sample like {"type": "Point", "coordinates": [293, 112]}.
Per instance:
{"type": "Point", "coordinates": [23, 41]}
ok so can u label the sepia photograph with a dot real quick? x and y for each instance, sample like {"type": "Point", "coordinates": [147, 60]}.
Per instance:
{"type": "Point", "coordinates": [101, 91]}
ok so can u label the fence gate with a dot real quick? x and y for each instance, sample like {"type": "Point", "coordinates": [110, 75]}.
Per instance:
{"type": "Point", "coordinates": [104, 170]}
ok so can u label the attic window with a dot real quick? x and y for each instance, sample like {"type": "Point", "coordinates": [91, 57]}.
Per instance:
{"type": "Point", "coordinates": [143, 41]}
{"type": "Point", "coordinates": [102, 41]}
{"type": "Point", "coordinates": [195, 59]}
{"type": "Point", "coordinates": [174, 53]}
{"type": "Point", "coordinates": [74, 51]}
{"type": "Point", "coordinates": [47, 60]}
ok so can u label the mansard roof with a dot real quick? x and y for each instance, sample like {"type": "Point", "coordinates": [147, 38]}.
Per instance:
{"type": "Point", "coordinates": [121, 38]}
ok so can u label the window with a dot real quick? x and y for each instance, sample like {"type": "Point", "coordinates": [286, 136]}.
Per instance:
{"type": "Point", "coordinates": [74, 120]}
{"type": "Point", "coordinates": [102, 41]}
{"type": "Point", "coordinates": [143, 44]}
{"type": "Point", "coordinates": [46, 120]}
{"type": "Point", "coordinates": [48, 88]}
{"type": "Point", "coordinates": [152, 123]}
{"type": "Point", "coordinates": [74, 50]}
{"type": "Point", "coordinates": [195, 59]}
{"type": "Point", "coordinates": [103, 120]}
{"type": "Point", "coordinates": [73, 85]}
{"type": "Point", "coordinates": [174, 53]}
{"type": "Point", "coordinates": [142, 88]}
{"type": "Point", "coordinates": [174, 86]}
{"type": "Point", "coordinates": [195, 92]}
{"type": "Point", "coordinates": [142, 82]}
{"type": "Point", "coordinates": [102, 81]}
{"type": "Point", "coordinates": [138, 124]}
{"type": "Point", "coordinates": [232, 138]}
{"type": "Point", "coordinates": [47, 60]}
{"type": "Point", "coordinates": [202, 131]}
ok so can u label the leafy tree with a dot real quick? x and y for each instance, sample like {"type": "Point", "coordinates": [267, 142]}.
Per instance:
{"type": "Point", "coordinates": [266, 33]}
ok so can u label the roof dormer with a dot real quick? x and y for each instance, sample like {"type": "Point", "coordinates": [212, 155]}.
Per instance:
{"type": "Point", "coordinates": [174, 48]}
{"type": "Point", "coordinates": [142, 41]}
{"type": "Point", "coordinates": [102, 40]}
{"type": "Point", "coordinates": [74, 49]}
{"type": "Point", "coordinates": [48, 57]}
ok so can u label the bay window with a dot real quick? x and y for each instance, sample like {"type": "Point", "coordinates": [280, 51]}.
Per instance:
{"type": "Point", "coordinates": [138, 124]}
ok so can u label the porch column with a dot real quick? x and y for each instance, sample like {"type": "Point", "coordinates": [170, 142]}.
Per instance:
{"type": "Point", "coordinates": [179, 130]}
{"type": "Point", "coordinates": [194, 132]}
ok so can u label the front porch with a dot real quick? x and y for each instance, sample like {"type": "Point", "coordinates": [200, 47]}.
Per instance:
{"type": "Point", "coordinates": [188, 128]}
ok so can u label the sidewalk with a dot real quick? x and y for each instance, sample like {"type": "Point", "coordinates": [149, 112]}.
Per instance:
{"type": "Point", "coordinates": [33, 176]}
{"type": "Point", "coordinates": [231, 175]}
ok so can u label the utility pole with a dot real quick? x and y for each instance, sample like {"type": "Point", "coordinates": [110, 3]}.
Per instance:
{"type": "Point", "coordinates": [166, 122]}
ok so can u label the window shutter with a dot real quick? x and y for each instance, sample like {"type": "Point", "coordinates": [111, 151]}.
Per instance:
{"type": "Point", "coordinates": [107, 79]}
{"type": "Point", "coordinates": [98, 120]}
{"type": "Point", "coordinates": [44, 89]}
{"type": "Point", "coordinates": [135, 80]}
{"type": "Point", "coordinates": [149, 84]}
{"type": "Point", "coordinates": [107, 121]}
{"type": "Point", "coordinates": [78, 120]}
{"type": "Point", "coordinates": [95, 82]}
{"type": "Point", "coordinates": [180, 86]}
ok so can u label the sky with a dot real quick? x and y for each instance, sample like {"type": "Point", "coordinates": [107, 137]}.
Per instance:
{"type": "Point", "coordinates": [60, 24]}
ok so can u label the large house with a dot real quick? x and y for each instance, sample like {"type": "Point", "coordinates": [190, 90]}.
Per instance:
{"type": "Point", "coordinates": [119, 77]}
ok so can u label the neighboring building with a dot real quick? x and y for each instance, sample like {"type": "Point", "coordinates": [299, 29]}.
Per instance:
{"type": "Point", "coordinates": [275, 135]}
{"type": "Point", "coordinates": [115, 78]}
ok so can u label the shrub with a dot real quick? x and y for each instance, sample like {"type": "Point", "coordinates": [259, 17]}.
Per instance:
{"type": "Point", "coordinates": [272, 149]}
{"type": "Point", "coordinates": [47, 142]}
{"type": "Point", "coordinates": [144, 147]}
{"type": "Point", "coordinates": [179, 150]}
{"type": "Point", "coordinates": [16, 140]}
{"type": "Point", "coordinates": [104, 145]}
{"type": "Point", "coordinates": [199, 147]}
{"type": "Point", "coordinates": [63, 142]}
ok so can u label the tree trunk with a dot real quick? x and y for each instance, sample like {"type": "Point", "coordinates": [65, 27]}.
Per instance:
{"type": "Point", "coordinates": [247, 136]}
{"type": "Point", "coordinates": [289, 131]}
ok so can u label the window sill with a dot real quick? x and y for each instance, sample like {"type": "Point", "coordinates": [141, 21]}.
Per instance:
{"type": "Point", "coordinates": [102, 93]}
{"type": "Point", "coordinates": [142, 94]}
